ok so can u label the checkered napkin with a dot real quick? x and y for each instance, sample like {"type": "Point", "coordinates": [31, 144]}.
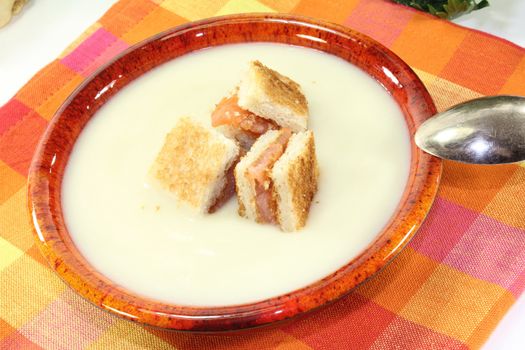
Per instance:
{"type": "Point", "coordinates": [447, 290]}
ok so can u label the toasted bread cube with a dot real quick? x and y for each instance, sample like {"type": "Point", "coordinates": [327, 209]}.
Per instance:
{"type": "Point", "coordinates": [193, 164]}
{"type": "Point", "coordinates": [273, 96]}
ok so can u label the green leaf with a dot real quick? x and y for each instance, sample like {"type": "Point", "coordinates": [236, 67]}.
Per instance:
{"type": "Point", "coordinates": [446, 8]}
{"type": "Point", "coordinates": [437, 13]}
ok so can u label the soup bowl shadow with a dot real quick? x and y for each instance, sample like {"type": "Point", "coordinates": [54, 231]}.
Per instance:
{"type": "Point", "coordinates": [51, 157]}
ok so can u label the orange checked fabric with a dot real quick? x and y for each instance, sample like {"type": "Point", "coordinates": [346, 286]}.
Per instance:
{"type": "Point", "coordinates": [447, 290]}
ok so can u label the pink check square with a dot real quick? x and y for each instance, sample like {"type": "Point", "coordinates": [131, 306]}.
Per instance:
{"type": "Point", "coordinates": [443, 229]}
{"type": "Point", "coordinates": [491, 251]}
{"type": "Point", "coordinates": [72, 322]}
{"type": "Point", "coordinates": [100, 46]}
{"type": "Point", "coordinates": [372, 19]}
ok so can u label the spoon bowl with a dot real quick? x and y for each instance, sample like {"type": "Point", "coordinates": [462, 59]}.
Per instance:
{"type": "Point", "coordinates": [488, 130]}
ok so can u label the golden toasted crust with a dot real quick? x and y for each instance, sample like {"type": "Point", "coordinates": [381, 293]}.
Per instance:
{"type": "Point", "coordinates": [17, 6]}
{"type": "Point", "coordinates": [192, 161]}
{"type": "Point", "coordinates": [302, 179]}
{"type": "Point", "coordinates": [280, 89]}
{"type": "Point", "coordinates": [241, 210]}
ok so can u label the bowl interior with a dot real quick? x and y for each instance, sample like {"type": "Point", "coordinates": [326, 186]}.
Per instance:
{"type": "Point", "coordinates": [50, 160]}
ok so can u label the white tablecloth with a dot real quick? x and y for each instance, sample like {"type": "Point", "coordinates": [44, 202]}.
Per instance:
{"type": "Point", "coordinates": [46, 27]}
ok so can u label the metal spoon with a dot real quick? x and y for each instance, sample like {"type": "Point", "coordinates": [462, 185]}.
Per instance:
{"type": "Point", "coordinates": [488, 130]}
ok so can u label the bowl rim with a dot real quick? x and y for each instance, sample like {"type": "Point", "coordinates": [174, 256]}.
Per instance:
{"type": "Point", "coordinates": [59, 250]}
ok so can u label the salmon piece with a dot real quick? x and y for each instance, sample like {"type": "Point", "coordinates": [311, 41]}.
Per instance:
{"type": "Point", "coordinates": [266, 206]}
{"type": "Point", "coordinates": [259, 172]}
{"type": "Point", "coordinates": [228, 112]}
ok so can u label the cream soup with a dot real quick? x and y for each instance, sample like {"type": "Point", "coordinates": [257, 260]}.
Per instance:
{"type": "Point", "coordinates": [140, 238]}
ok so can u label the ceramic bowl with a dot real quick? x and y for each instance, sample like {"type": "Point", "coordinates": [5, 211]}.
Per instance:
{"type": "Point", "coordinates": [56, 144]}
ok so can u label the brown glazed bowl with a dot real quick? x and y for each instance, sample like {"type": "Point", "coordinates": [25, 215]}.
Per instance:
{"type": "Point", "coordinates": [51, 157]}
